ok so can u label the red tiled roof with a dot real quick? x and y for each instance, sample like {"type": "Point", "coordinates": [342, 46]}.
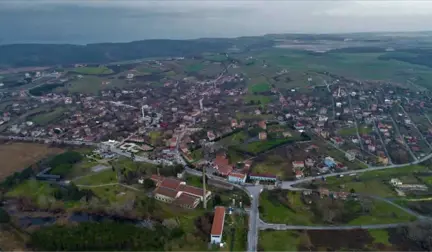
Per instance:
{"type": "Point", "coordinates": [171, 193]}
{"type": "Point", "coordinates": [157, 178]}
{"type": "Point", "coordinates": [186, 199]}
{"type": "Point", "coordinates": [195, 191]}
{"type": "Point", "coordinates": [218, 221]}
{"type": "Point", "coordinates": [224, 169]}
{"type": "Point", "coordinates": [237, 175]}
{"type": "Point", "coordinates": [170, 183]}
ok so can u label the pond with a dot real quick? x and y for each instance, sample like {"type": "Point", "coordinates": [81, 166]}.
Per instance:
{"type": "Point", "coordinates": [28, 221]}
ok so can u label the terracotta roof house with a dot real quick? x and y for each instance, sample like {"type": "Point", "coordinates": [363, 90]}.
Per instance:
{"type": "Point", "coordinates": [218, 225]}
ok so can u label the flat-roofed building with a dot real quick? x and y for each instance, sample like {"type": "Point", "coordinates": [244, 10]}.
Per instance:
{"type": "Point", "coordinates": [218, 225]}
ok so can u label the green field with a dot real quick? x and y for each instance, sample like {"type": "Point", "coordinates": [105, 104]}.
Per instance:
{"type": "Point", "coordinates": [352, 65]}
{"type": "Point", "coordinates": [383, 213]}
{"type": "Point", "coordinates": [353, 131]}
{"type": "Point", "coordinates": [103, 177]}
{"type": "Point", "coordinates": [270, 240]}
{"type": "Point", "coordinates": [273, 211]}
{"type": "Point", "coordinates": [375, 187]}
{"type": "Point", "coordinates": [257, 99]}
{"type": "Point", "coordinates": [92, 84]}
{"type": "Point", "coordinates": [92, 70]}
{"type": "Point", "coordinates": [259, 146]}
{"type": "Point", "coordinates": [259, 88]}
{"type": "Point", "coordinates": [47, 118]}
{"type": "Point", "coordinates": [32, 189]}
{"type": "Point", "coordinates": [195, 67]}
{"type": "Point", "coordinates": [380, 236]}
{"type": "Point", "coordinates": [292, 210]}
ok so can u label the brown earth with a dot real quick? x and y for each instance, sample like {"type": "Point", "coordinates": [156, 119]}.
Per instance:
{"type": "Point", "coordinates": [18, 156]}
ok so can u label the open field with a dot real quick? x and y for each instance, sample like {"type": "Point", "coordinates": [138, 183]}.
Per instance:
{"type": "Point", "coordinates": [327, 240]}
{"type": "Point", "coordinates": [293, 208]}
{"type": "Point", "coordinates": [353, 65]}
{"type": "Point", "coordinates": [47, 118]}
{"type": "Point", "coordinates": [24, 155]}
{"type": "Point", "coordinates": [259, 88]}
{"type": "Point", "coordinates": [353, 131]}
{"type": "Point", "coordinates": [92, 70]}
{"type": "Point", "coordinates": [103, 177]}
{"type": "Point", "coordinates": [257, 99]}
{"type": "Point", "coordinates": [92, 84]}
{"type": "Point", "coordinates": [32, 189]}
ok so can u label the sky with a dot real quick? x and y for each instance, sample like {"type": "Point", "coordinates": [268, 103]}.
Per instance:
{"type": "Point", "coordinates": [87, 21]}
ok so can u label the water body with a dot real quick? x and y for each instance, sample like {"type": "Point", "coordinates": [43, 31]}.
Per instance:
{"type": "Point", "coordinates": [82, 25]}
{"type": "Point", "coordinates": [27, 221]}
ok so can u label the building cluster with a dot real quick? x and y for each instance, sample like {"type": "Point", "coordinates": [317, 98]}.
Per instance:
{"type": "Point", "coordinates": [174, 191]}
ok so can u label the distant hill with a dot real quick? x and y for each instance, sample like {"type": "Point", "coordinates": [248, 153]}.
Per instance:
{"type": "Point", "coordinates": [23, 55]}
{"type": "Point", "coordinates": [26, 55]}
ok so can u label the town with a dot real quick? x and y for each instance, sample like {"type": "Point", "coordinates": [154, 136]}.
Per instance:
{"type": "Point", "coordinates": [221, 133]}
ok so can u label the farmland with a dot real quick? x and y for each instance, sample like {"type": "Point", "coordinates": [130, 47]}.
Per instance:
{"type": "Point", "coordinates": [92, 70]}
{"type": "Point", "coordinates": [25, 154]}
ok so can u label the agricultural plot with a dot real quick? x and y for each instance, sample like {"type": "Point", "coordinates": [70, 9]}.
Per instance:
{"type": "Point", "coordinates": [43, 119]}
{"type": "Point", "coordinates": [92, 70]}
{"type": "Point", "coordinates": [296, 209]}
{"type": "Point", "coordinates": [25, 154]}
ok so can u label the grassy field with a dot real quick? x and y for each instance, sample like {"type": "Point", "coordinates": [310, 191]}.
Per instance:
{"type": "Point", "coordinates": [195, 67]}
{"type": "Point", "coordinates": [93, 84]}
{"type": "Point", "coordinates": [24, 155]}
{"type": "Point", "coordinates": [93, 70]}
{"type": "Point", "coordinates": [32, 189]}
{"type": "Point", "coordinates": [114, 194]}
{"type": "Point", "coordinates": [352, 65]}
{"type": "Point", "coordinates": [259, 146]}
{"type": "Point", "coordinates": [154, 136]}
{"type": "Point", "coordinates": [375, 187]}
{"type": "Point", "coordinates": [383, 213]}
{"type": "Point", "coordinates": [257, 99]}
{"type": "Point", "coordinates": [47, 118]}
{"type": "Point", "coordinates": [259, 88]}
{"type": "Point", "coordinates": [273, 211]}
{"type": "Point", "coordinates": [348, 131]}
{"type": "Point", "coordinates": [103, 177]}
{"type": "Point", "coordinates": [278, 240]}
{"type": "Point", "coordinates": [380, 236]}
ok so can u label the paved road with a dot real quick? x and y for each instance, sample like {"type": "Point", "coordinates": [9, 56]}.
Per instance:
{"type": "Point", "coordinates": [264, 226]}
{"type": "Point", "coordinates": [254, 192]}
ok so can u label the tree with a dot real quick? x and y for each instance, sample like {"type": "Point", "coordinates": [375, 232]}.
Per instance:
{"type": "Point", "coordinates": [4, 216]}
{"type": "Point", "coordinates": [352, 191]}
{"type": "Point", "coordinates": [149, 184]}
{"type": "Point", "coordinates": [217, 200]}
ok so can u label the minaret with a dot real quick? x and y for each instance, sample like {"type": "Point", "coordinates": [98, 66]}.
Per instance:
{"type": "Point", "coordinates": [204, 187]}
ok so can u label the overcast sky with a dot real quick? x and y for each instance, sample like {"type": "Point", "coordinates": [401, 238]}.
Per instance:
{"type": "Point", "coordinates": [73, 21]}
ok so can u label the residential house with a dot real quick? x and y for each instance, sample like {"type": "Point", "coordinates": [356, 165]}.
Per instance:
{"type": "Point", "coordinates": [323, 192]}
{"type": "Point", "coordinates": [371, 148]}
{"type": "Point", "coordinates": [299, 126]}
{"type": "Point", "coordinates": [218, 225]}
{"type": "Point", "coordinates": [383, 160]}
{"type": "Point", "coordinates": [337, 141]}
{"type": "Point", "coordinates": [210, 135]}
{"type": "Point", "coordinates": [299, 174]}
{"type": "Point", "coordinates": [395, 182]}
{"type": "Point", "coordinates": [324, 134]}
{"type": "Point", "coordinates": [234, 123]}
{"type": "Point", "coordinates": [262, 136]}
{"type": "Point", "coordinates": [298, 165]}
{"type": "Point", "coordinates": [262, 125]}
{"type": "Point", "coordinates": [350, 156]}
{"type": "Point", "coordinates": [238, 178]}
{"type": "Point", "coordinates": [309, 162]}
{"type": "Point", "coordinates": [329, 162]}
{"type": "Point", "coordinates": [221, 164]}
